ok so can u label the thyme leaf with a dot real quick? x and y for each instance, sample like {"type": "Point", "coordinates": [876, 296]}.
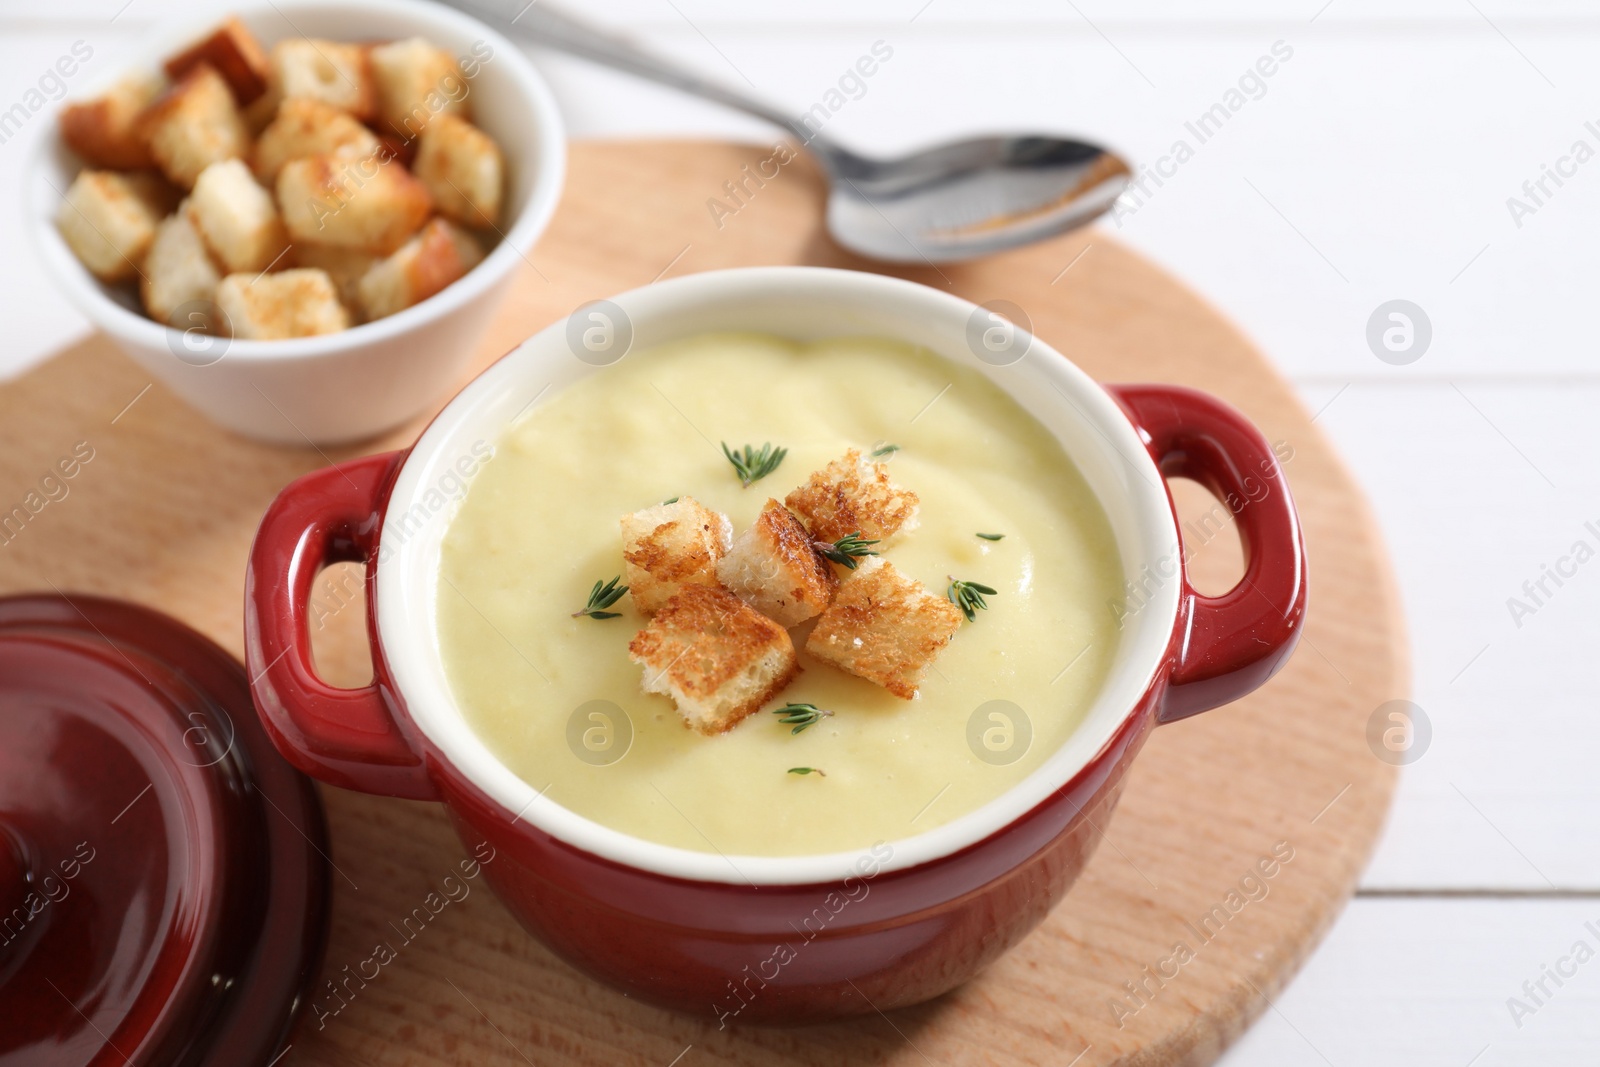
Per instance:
{"type": "Point", "coordinates": [846, 550]}
{"type": "Point", "coordinates": [603, 595]}
{"type": "Point", "coordinates": [968, 596]}
{"type": "Point", "coordinates": [754, 464]}
{"type": "Point", "coordinates": [800, 716]}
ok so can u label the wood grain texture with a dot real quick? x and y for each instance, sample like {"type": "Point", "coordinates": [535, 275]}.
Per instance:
{"type": "Point", "coordinates": [164, 512]}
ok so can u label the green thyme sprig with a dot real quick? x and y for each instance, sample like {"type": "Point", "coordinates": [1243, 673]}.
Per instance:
{"type": "Point", "coordinates": [992, 537]}
{"type": "Point", "coordinates": [674, 500]}
{"type": "Point", "coordinates": [754, 464]}
{"type": "Point", "coordinates": [602, 596]}
{"type": "Point", "coordinates": [888, 448]}
{"type": "Point", "coordinates": [968, 596]}
{"type": "Point", "coordinates": [800, 716]}
{"type": "Point", "coordinates": [846, 550]}
{"type": "Point", "coordinates": [808, 770]}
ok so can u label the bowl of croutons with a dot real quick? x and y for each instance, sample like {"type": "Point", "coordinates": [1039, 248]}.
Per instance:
{"type": "Point", "coordinates": [299, 216]}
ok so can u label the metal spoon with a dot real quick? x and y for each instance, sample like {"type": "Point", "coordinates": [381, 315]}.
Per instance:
{"type": "Point", "coordinates": [951, 202]}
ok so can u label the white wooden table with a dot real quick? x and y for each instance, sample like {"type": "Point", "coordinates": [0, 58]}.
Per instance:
{"type": "Point", "coordinates": [1374, 164]}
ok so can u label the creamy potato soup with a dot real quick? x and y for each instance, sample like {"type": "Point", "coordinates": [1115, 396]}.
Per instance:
{"type": "Point", "coordinates": [559, 701]}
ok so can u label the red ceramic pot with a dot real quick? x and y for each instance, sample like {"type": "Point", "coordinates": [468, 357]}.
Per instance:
{"type": "Point", "coordinates": [777, 939]}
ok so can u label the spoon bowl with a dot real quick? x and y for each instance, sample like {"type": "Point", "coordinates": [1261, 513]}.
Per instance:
{"type": "Point", "coordinates": [968, 198]}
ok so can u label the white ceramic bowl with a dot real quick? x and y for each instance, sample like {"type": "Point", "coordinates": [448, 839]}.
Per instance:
{"type": "Point", "coordinates": [805, 304]}
{"type": "Point", "coordinates": [350, 385]}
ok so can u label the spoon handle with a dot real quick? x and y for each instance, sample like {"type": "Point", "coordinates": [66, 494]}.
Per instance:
{"type": "Point", "coordinates": [549, 26]}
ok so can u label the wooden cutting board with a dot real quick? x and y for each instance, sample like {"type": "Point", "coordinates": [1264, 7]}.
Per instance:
{"type": "Point", "coordinates": [164, 511]}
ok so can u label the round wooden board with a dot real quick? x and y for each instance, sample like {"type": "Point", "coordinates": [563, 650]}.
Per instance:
{"type": "Point", "coordinates": [164, 513]}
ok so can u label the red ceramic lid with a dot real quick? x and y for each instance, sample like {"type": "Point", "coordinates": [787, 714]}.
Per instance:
{"type": "Point", "coordinates": [163, 872]}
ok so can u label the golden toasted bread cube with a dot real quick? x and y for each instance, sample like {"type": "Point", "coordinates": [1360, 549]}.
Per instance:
{"type": "Point", "coordinates": [853, 495]}
{"type": "Point", "coordinates": [151, 186]}
{"type": "Point", "coordinates": [669, 546]}
{"type": "Point", "coordinates": [775, 568]}
{"type": "Point", "coordinates": [259, 115]}
{"type": "Point", "coordinates": [235, 54]}
{"type": "Point", "coordinates": [334, 73]}
{"type": "Point", "coordinates": [193, 125]}
{"type": "Point", "coordinates": [463, 169]}
{"type": "Point", "coordinates": [346, 266]}
{"type": "Point", "coordinates": [237, 218]}
{"type": "Point", "coordinates": [417, 81]}
{"type": "Point", "coordinates": [304, 127]}
{"type": "Point", "coordinates": [366, 204]}
{"type": "Point", "coordinates": [273, 307]}
{"type": "Point", "coordinates": [717, 658]}
{"type": "Point", "coordinates": [885, 627]}
{"type": "Point", "coordinates": [180, 278]}
{"type": "Point", "coordinates": [435, 257]}
{"type": "Point", "coordinates": [395, 148]}
{"type": "Point", "coordinates": [105, 131]}
{"type": "Point", "coordinates": [107, 223]}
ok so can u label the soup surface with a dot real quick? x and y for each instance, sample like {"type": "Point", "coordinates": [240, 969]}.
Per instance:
{"type": "Point", "coordinates": [558, 701]}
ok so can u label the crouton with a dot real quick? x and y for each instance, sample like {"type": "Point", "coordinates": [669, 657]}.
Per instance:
{"type": "Point", "coordinates": [158, 194]}
{"type": "Point", "coordinates": [236, 217]}
{"type": "Point", "coordinates": [107, 224]}
{"type": "Point", "coordinates": [717, 658]}
{"type": "Point", "coordinates": [179, 273]}
{"type": "Point", "coordinates": [435, 257]}
{"type": "Point", "coordinates": [334, 73]}
{"type": "Point", "coordinates": [105, 130]}
{"type": "Point", "coordinates": [193, 125]}
{"type": "Point", "coordinates": [290, 303]}
{"type": "Point", "coordinates": [393, 147]}
{"type": "Point", "coordinates": [235, 54]}
{"type": "Point", "coordinates": [884, 627]}
{"type": "Point", "coordinates": [853, 495]}
{"type": "Point", "coordinates": [304, 127]}
{"type": "Point", "coordinates": [346, 266]}
{"type": "Point", "coordinates": [669, 546]}
{"type": "Point", "coordinates": [774, 568]}
{"type": "Point", "coordinates": [365, 204]}
{"type": "Point", "coordinates": [463, 169]}
{"type": "Point", "coordinates": [417, 81]}
{"type": "Point", "coordinates": [259, 115]}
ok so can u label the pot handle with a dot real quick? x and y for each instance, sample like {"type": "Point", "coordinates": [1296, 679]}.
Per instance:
{"type": "Point", "coordinates": [1231, 644]}
{"type": "Point", "coordinates": [345, 737]}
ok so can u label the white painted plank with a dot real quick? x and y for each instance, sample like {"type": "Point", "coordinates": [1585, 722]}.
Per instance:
{"type": "Point", "coordinates": [1361, 175]}
{"type": "Point", "coordinates": [1425, 983]}
{"type": "Point", "coordinates": [1478, 487]}
{"type": "Point", "coordinates": [38, 319]}
{"type": "Point", "coordinates": [1005, 14]}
